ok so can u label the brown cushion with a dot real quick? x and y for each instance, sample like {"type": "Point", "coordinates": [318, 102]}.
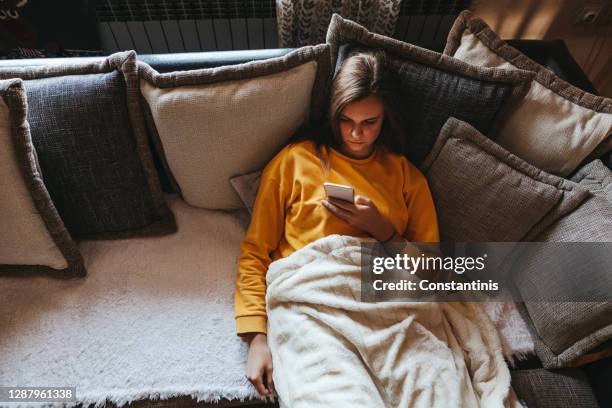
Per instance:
{"type": "Point", "coordinates": [246, 186]}
{"type": "Point", "coordinates": [564, 388]}
{"type": "Point", "coordinates": [32, 235]}
{"type": "Point", "coordinates": [557, 125]}
{"type": "Point", "coordinates": [215, 123]}
{"type": "Point", "coordinates": [483, 193]}
{"type": "Point", "coordinates": [566, 331]}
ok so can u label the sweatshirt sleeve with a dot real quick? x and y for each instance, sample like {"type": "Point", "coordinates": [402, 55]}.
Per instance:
{"type": "Point", "coordinates": [262, 238]}
{"type": "Point", "coordinates": [422, 218]}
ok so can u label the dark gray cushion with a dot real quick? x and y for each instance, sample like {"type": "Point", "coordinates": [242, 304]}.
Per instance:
{"type": "Point", "coordinates": [563, 388]}
{"type": "Point", "coordinates": [90, 138]}
{"type": "Point", "coordinates": [433, 86]}
{"type": "Point", "coordinates": [566, 331]}
{"type": "Point", "coordinates": [33, 238]}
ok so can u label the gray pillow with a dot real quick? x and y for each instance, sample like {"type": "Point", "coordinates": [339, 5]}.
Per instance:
{"type": "Point", "coordinates": [483, 193]}
{"type": "Point", "coordinates": [566, 331]}
{"type": "Point", "coordinates": [433, 86]}
{"type": "Point", "coordinates": [33, 238]}
{"type": "Point", "coordinates": [89, 134]}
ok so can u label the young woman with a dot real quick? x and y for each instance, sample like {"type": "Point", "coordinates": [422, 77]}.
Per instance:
{"type": "Point", "coordinates": [361, 145]}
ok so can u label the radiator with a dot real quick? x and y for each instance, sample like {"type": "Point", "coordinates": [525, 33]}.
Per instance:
{"type": "Point", "coordinates": [161, 26]}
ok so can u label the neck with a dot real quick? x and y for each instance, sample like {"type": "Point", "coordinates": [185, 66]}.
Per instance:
{"type": "Point", "coordinates": [352, 155]}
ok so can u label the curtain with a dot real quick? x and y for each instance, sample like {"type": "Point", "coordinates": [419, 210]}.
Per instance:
{"type": "Point", "coordinates": [305, 22]}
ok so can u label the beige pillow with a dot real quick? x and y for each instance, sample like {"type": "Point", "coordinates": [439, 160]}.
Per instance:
{"type": "Point", "coordinates": [215, 123]}
{"type": "Point", "coordinates": [32, 235]}
{"type": "Point", "coordinates": [557, 125]}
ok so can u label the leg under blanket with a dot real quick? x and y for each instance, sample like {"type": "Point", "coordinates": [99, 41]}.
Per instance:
{"type": "Point", "coordinates": [329, 349]}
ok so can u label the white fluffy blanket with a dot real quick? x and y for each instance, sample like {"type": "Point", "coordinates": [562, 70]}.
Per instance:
{"type": "Point", "coordinates": [330, 349]}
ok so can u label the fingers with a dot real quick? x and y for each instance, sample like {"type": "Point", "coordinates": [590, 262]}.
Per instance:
{"type": "Point", "coordinates": [270, 380]}
{"type": "Point", "coordinates": [258, 383]}
{"type": "Point", "coordinates": [340, 212]}
{"type": "Point", "coordinates": [360, 198]}
{"type": "Point", "coordinates": [347, 205]}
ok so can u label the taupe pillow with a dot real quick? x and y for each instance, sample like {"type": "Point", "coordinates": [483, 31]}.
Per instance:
{"type": "Point", "coordinates": [566, 331]}
{"type": "Point", "coordinates": [483, 193]}
{"type": "Point", "coordinates": [557, 125]}
{"type": "Point", "coordinates": [246, 187]}
{"type": "Point", "coordinates": [215, 123]}
{"type": "Point", "coordinates": [32, 235]}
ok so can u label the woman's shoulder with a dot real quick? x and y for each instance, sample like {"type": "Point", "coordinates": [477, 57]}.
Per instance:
{"type": "Point", "coordinates": [410, 171]}
{"type": "Point", "coordinates": [296, 150]}
{"type": "Point", "coordinates": [291, 152]}
{"type": "Point", "coordinates": [301, 147]}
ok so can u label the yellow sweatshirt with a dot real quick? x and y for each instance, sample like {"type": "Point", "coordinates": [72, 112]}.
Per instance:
{"type": "Point", "coordinates": [288, 213]}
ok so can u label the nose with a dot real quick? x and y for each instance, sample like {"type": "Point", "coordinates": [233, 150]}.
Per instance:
{"type": "Point", "coordinates": [357, 131]}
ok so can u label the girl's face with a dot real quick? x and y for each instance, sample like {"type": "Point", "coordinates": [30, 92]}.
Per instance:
{"type": "Point", "coordinates": [360, 124]}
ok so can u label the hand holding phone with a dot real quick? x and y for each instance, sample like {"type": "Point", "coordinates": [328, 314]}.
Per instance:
{"type": "Point", "coordinates": [339, 191]}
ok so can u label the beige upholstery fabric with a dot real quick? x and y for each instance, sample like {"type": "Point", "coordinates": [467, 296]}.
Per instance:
{"type": "Point", "coordinates": [557, 125]}
{"type": "Point", "coordinates": [212, 129]}
{"type": "Point", "coordinates": [24, 239]}
{"type": "Point", "coordinates": [472, 50]}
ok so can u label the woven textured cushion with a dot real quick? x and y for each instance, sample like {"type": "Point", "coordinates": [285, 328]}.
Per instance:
{"type": "Point", "coordinates": [483, 193]}
{"type": "Point", "coordinates": [32, 235]}
{"type": "Point", "coordinates": [89, 133]}
{"type": "Point", "coordinates": [564, 388]}
{"type": "Point", "coordinates": [215, 123]}
{"type": "Point", "coordinates": [433, 86]}
{"type": "Point", "coordinates": [566, 331]}
{"type": "Point", "coordinates": [557, 125]}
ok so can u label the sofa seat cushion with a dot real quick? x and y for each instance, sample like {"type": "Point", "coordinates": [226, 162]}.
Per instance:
{"type": "Point", "coordinates": [152, 319]}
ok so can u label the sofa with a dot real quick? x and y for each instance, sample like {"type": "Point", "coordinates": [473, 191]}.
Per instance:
{"type": "Point", "coordinates": [141, 312]}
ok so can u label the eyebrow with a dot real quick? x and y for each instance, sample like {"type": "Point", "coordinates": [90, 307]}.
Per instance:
{"type": "Point", "coordinates": [344, 116]}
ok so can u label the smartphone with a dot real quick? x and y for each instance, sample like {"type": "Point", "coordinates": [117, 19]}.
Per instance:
{"type": "Point", "coordinates": [339, 191]}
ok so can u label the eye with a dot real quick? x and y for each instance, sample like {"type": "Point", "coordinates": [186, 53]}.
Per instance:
{"type": "Point", "coordinates": [344, 119]}
{"type": "Point", "coordinates": [371, 121]}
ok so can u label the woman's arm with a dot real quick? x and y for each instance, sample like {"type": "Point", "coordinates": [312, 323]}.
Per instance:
{"type": "Point", "coordinates": [262, 238]}
{"type": "Point", "coordinates": [422, 225]}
